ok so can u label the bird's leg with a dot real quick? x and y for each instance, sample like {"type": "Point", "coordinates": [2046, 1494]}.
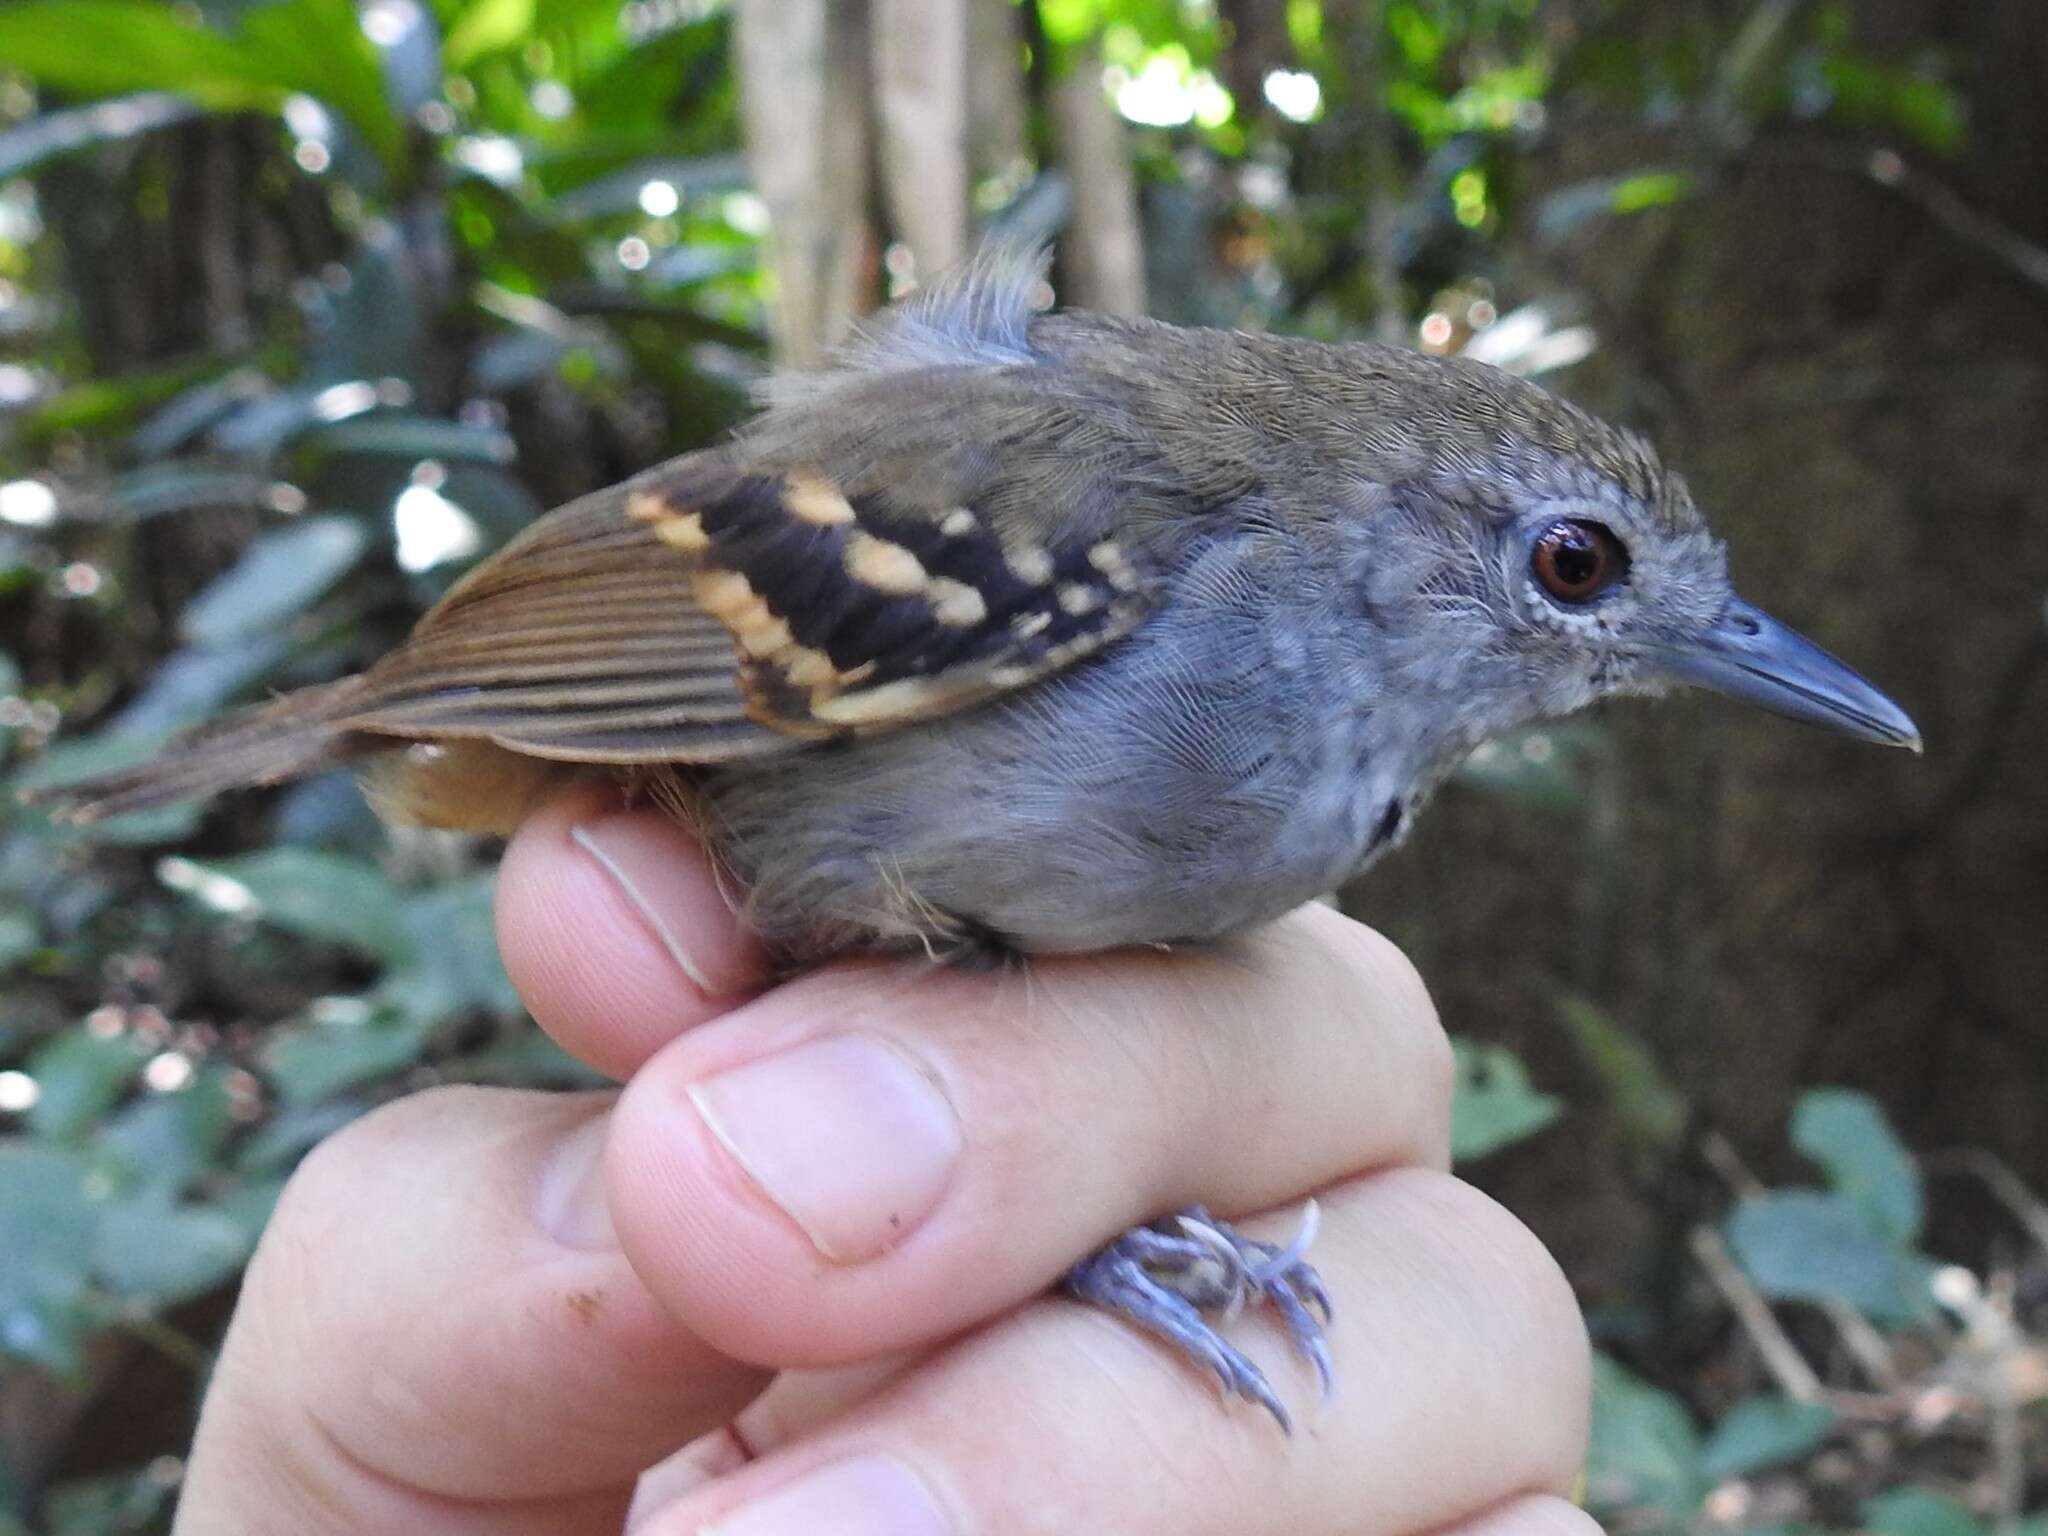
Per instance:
{"type": "Point", "coordinates": [1164, 1276]}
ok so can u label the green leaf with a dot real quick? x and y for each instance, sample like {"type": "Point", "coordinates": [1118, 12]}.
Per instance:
{"type": "Point", "coordinates": [403, 435]}
{"type": "Point", "coordinates": [169, 1139]}
{"type": "Point", "coordinates": [177, 486]}
{"type": "Point", "coordinates": [111, 1504]}
{"type": "Point", "coordinates": [291, 1131]}
{"type": "Point", "coordinates": [1763, 1431]}
{"type": "Point", "coordinates": [1652, 189]}
{"type": "Point", "coordinates": [98, 47]}
{"type": "Point", "coordinates": [316, 1061]}
{"type": "Point", "coordinates": [280, 574]}
{"type": "Point", "coordinates": [1644, 1450]}
{"type": "Point", "coordinates": [319, 47]}
{"type": "Point", "coordinates": [486, 26]}
{"type": "Point", "coordinates": [1653, 1111]}
{"type": "Point", "coordinates": [1804, 1245]}
{"type": "Point", "coordinates": [1919, 1512]}
{"type": "Point", "coordinates": [460, 971]}
{"type": "Point", "coordinates": [321, 896]}
{"type": "Point", "coordinates": [1496, 1105]}
{"type": "Point", "coordinates": [80, 1075]}
{"type": "Point", "coordinates": [1561, 212]}
{"type": "Point", "coordinates": [192, 685]}
{"type": "Point", "coordinates": [152, 1250]}
{"type": "Point", "coordinates": [101, 47]}
{"type": "Point", "coordinates": [47, 1226]}
{"type": "Point", "coordinates": [20, 936]}
{"type": "Point", "coordinates": [525, 1059]}
{"type": "Point", "coordinates": [1847, 1134]}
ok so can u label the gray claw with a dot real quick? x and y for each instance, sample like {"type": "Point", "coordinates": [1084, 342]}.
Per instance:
{"type": "Point", "coordinates": [1164, 1277]}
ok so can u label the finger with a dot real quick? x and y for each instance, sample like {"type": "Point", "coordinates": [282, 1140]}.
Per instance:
{"type": "Point", "coordinates": [1534, 1514]}
{"type": "Point", "coordinates": [793, 1402]}
{"type": "Point", "coordinates": [1466, 1384]}
{"type": "Point", "coordinates": [477, 1351]}
{"type": "Point", "coordinates": [615, 931]}
{"type": "Point", "coordinates": [870, 1159]}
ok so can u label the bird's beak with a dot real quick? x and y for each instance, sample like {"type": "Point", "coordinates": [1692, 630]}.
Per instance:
{"type": "Point", "coordinates": [1750, 656]}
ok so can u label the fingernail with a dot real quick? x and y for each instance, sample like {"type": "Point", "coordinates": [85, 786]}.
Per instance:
{"type": "Point", "coordinates": [846, 1134]}
{"type": "Point", "coordinates": [571, 1205]}
{"type": "Point", "coordinates": [873, 1496]}
{"type": "Point", "coordinates": [661, 874]}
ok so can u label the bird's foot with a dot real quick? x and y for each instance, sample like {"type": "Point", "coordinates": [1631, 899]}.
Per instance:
{"type": "Point", "coordinates": [1165, 1276]}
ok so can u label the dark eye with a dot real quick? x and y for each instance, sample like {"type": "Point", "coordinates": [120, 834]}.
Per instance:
{"type": "Point", "coordinates": [1575, 562]}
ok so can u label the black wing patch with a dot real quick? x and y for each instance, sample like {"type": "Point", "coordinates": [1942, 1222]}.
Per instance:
{"type": "Point", "coordinates": [847, 614]}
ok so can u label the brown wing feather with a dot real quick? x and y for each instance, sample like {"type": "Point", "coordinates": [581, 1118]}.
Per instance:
{"type": "Point", "coordinates": [704, 612]}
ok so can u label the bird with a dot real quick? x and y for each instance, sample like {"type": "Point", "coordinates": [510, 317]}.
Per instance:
{"type": "Point", "coordinates": [1014, 631]}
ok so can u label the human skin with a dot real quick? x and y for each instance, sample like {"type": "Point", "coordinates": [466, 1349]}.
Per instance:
{"type": "Point", "coordinates": [511, 1312]}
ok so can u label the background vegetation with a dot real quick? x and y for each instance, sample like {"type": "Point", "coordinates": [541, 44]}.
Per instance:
{"type": "Point", "coordinates": [304, 304]}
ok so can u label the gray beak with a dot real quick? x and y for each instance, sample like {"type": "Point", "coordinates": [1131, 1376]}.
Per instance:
{"type": "Point", "coordinates": [1750, 656]}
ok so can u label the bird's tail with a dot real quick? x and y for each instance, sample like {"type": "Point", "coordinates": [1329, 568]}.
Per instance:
{"type": "Point", "coordinates": [286, 738]}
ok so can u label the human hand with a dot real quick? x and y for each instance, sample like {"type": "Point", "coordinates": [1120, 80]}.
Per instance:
{"type": "Point", "coordinates": [494, 1311]}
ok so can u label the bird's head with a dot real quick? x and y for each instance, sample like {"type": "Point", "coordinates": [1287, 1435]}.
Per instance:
{"type": "Point", "coordinates": [1548, 560]}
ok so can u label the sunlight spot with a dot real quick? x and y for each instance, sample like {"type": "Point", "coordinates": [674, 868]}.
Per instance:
{"type": "Point", "coordinates": [18, 1092]}
{"type": "Point", "coordinates": [431, 529]}
{"type": "Point", "coordinates": [745, 212]}
{"type": "Point", "coordinates": [551, 99]}
{"type": "Point", "coordinates": [338, 402]}
{"type": "Point", "coordinates": [223, 893]}
{"type": "Point", "coordinates": [387, 23]}
{"type": "Point", "coordinates": [659, 199]}
{"type": "Point", "coordinates": [1295, 94]}
{"type": "Point", "coordinates": [493, 157]}
{"type": "Point", "coordinates": [167, 1072]}
{"type": "Point", "coordinates": [28, 504]}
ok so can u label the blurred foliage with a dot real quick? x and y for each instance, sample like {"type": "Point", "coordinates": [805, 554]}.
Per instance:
{"type": "Point", "coordinates": [306, 304]}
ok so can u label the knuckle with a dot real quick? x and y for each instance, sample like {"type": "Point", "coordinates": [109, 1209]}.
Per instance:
{"type": "Point", "coordinates": [380, 1149]}
{"type": "Point", "coordinates": [1519, 1295]}
{"type": "Point", "coordinates": [1383, 997]}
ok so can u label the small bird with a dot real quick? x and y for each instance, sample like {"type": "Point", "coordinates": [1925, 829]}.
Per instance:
{"type": "Point", "coordinates": [1017, 633]}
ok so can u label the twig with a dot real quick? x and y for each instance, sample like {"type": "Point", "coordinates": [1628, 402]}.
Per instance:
{"type": "Point", "coordinates": [1863, 1342]}
{"type": "Point", "coordinates": [1781, 1357]}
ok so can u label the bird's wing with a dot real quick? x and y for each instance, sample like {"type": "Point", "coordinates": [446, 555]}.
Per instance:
{"type": "Point", "coordinates": [722, 606]}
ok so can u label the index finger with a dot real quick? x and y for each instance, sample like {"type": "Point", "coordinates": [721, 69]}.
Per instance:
{"type": "Point", "coordinates": [614, 928]}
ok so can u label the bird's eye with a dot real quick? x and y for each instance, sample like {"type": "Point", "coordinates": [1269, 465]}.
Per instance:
{"type": "Point", "coordinates": [1575, 562]}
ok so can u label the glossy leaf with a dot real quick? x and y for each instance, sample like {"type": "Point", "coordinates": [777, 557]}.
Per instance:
{"type": "Point", "coordinates": [48, 1224]}
{"type": "Point", "coordinates": [312, 1062]}
{"type": "Point", "coordinates": [79, 1075]}
{"type": "Point", "coordinates": [169, 1139]}
{"type": "Point", "coordinates": [1804, 1245]}
{"type": "Point", "coordinates": [1763, 1431]}
{"type": "Point", "coordinates": [320, 896]}
{"type": "Point", "coordinates": [151, 1249]}
{"type": "Point", "coordinates": [1848, 1135]}
{"type": "Point", "coordinates": [1644, 1449]}
{"type": "Point", "coordinates": [1650, 1106]}
{"type": "Point", "coordinates": [1919, 1512]}
{"type": "Point", "coordinates": [280, 574]}
{"type": "Point", "coordinates": [1496, 1105]}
